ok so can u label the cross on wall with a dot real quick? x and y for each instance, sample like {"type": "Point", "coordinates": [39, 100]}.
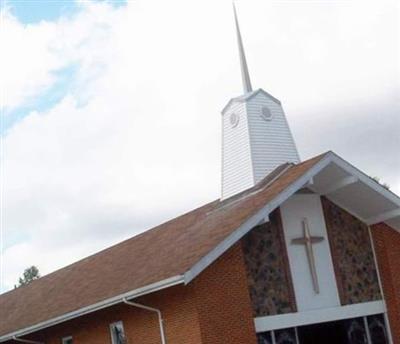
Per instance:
{"type": "Point", "coordinates": [308, 241]}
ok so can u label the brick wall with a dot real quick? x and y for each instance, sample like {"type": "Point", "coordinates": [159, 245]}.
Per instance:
{"type": "Point", "coordinates": [387, 248]}
{"type": "Point", "coordinates": [223, 301]}
{"type": "Point", "coordinates": [177, 305]}
{"type": "Point", "coordinates": [213, 309]}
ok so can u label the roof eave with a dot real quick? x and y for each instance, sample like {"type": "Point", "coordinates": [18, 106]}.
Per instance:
{"type": "Point", "coordinates": [247, 97]}
{"type": "Point", "coordinates": [256, 219]}
{"type": "Point", "coordinates": [222, 247]}
{"type": "Point", "coordinates": [262, 215]}
{"type": "Point", "coordinates": [166, 283]}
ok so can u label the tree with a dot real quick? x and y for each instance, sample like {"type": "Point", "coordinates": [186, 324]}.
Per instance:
{"type": "Point", "coordinates": [30, 274]}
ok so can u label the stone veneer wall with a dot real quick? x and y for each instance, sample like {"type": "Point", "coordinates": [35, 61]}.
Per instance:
{"type": "Point", "coordinates": [352, 255]}
{"type": "Point", "coordinates": [268, 272]}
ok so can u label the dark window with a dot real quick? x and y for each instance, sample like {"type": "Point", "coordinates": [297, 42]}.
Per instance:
{"type": "Point", "coordinates": [264, 338]}
{"type": "Point", "coordinates": [285, 336]}
{"type": "Point", "coordinates": [377, 329]}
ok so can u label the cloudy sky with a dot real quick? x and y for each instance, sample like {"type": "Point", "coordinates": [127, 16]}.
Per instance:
{"type": "Point", "coordinates": [111, 110]}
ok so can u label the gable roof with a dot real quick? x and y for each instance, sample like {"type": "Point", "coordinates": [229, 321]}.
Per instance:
{"type": "Point", "coordinates": [174, 252]}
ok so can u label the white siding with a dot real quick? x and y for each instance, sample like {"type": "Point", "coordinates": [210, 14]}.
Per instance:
{"type": "Point", "coordinates": [293, 211]}
{"type": "Point", "coordinates": [271, 141]}
{"type": "Point", "coordinates": [255, 147]}
{"type": "Point", "coordinates": [237, 170]}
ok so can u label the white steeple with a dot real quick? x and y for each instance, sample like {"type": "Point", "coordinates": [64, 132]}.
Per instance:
{"type": "Point", "coordinates": [243, 64]}
{"type": "Point", "coordinates": [256, 137]}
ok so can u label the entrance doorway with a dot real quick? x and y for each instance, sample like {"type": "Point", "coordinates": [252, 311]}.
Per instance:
{"type": "Point", "coordinates": [362, 330]}
{"type": "Point", "coordinates": [332, 333]}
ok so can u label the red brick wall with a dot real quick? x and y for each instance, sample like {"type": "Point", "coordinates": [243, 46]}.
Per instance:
{"type": "Point", "coordinates": [223, 301]}
{"type": "Point", "coordinates": [214, 308]}
{"type": "Point", "coordinates": [387, 248]}
{"type": "Point", "coordinates": [177, 305]}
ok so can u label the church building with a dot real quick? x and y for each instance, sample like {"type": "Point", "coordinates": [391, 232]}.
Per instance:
{"type": "Point", "coordinates": [293, 252]}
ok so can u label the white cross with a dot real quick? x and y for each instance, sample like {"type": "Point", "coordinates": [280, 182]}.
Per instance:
{"type": "Point", "coordinates": [308, 241]}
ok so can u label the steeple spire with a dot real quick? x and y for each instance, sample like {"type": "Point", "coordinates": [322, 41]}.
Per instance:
{"type": "Point", "coordinates": [243, 64]}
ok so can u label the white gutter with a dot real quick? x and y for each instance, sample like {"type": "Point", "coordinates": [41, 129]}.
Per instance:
{"type": "Point", "coordinates": [26, 340]}
{"type": "Point", "coordinates": [169, 282]}
{"type": "Point", "coordinates": [151, 309]}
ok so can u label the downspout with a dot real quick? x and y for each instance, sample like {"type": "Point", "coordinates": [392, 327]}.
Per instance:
{"type": "Point", "coordinates": [151, 309]}
{"type": "Point", "coordinates": [26, 341]}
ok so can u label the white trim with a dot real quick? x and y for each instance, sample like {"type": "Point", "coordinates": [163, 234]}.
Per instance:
{"type": "Point", "coordinates": [387, 323]}
{"type": "Point", "coordinates": [253, 221]}
{"type": "Point", "coordinates": [383, 217]}
{"type": "Point", "coordinates": [340, 184]}
{"type": "Point", "coordinates": [169, 282]}
{"type": "Point", "coordinates": [276, 322]}
{"type": "Point", "coordinates": [222, 247]}
{"type": "Point", "coordinates": [296, 332]}
{"type": "Point", "coordinates": [264, 220]}
{"type": "Point", "coordinates": [236, 199]}
{"type": "Point", "coordinates": [273, 338]}
{"type": "Point", "coordinates": [151, 309]}
{"type": "Point", "coordinates": [366, 327]}
{"type": "Point", "coordinates": [372, 243]}
{"type": "Point", "coordinates": [388, 329]}
{"type": "Point", "coordinates": [365, 179]}
{"type": "Point", "coordinates": [243, 98]}
{"type": "Point", "coordinates": [28, 341]}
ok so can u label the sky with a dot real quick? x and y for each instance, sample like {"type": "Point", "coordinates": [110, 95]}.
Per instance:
{"type": "Point", "coordinates": [110, 110]}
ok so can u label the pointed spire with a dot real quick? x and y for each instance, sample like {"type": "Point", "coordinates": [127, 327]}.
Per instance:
{"type": "Point", "coordinates": [243, 64]}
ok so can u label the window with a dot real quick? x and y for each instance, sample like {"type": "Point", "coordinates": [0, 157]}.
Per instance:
{"type": "Point", "coordinates": [266, 113]}
{"type": "Point", "coordinates": [67, 340]}
{"type": "Point", "coordinates": [117, 333]}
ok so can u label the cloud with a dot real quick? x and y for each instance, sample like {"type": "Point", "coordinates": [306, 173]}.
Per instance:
{"type": "Point", "coordinates": [135, 140]}
{"type": "Point", "coordinates": [25, 62]}
{"type": "Point", "coordinates": [85, 173]}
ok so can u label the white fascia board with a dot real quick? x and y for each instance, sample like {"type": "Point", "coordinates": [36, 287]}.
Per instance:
{"type": "Point", "coordinates": [366, 179]}
{"type": "Point", "coordinates": [227, 105]}
{"type": "Point", "coordinates": [169, 282]}
{"type": "Point", "coordinates": [383, 217]}
{"type": "Point", "coordinates": [254, 220]}
{"type": "Point", "coordinates": [277, 322]}
{"type": "Point", "coordinates": [260, 90]}
{"type": "Point", "coordinates": [261, 215]}
{"type": "Point", "coordinates": [221, 248]}
{"type": "Point", "coordinates": [244, 98]}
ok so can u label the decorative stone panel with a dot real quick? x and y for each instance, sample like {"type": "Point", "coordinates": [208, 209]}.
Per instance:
{"type": "Point", "coordinates": [352, 255]}
{"type": "Point", "coordinates": [268, 272]}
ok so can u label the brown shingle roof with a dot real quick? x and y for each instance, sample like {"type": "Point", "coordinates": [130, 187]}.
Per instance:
{"type": "Point", "coordinates": [165, 251]}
